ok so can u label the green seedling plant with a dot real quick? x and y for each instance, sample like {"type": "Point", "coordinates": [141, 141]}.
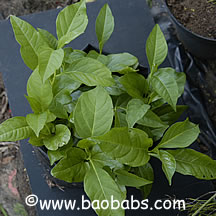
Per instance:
{"type": "Point", "coordinates": [100, 119]}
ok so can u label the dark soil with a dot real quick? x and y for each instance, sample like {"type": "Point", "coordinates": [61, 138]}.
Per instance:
{"type": "Point", "coordinates": [199, 16]}
{"type": "Point", "coordinates": [210, 92]}
{"type": "Point", "coordinates": [22, 7]}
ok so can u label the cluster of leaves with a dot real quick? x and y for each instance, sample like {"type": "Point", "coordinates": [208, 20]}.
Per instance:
{"type": "Point", "coordinates": [97, 115]}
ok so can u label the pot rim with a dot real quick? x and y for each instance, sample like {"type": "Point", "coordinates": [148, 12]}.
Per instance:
{"type": "Point", "coordinates": [186, 29]}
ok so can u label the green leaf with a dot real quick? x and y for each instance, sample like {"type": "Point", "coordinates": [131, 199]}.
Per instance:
{"type": "Point", "coordinates": [191, 162]}
{"type": "Point", "coordinates": [136, 109]}
{"type": "Point", "coordinates": [35, 141]}
{"type": "Point", "coordinates": [104, 25]}
{"type": "Point", "coordinates": [75, 55]}
{"type": "Point", "coordinates": [85, 144]}
{"type": "Point", "coordinates": [60, 138]}
{"type": "Point", "coordinates": [154, 133]}
{"type": "Point", "coordinates": [101, 159]}
{"type": "Point", "coordinates": [120, 62]}
{"type": "Point", "coordinates": [71, 22]}
{"type": "Point", "coordinates": [129, 179]}
{"type": "Point", "coordinates": [168, 115]}
{"type": "Point", "coordinates": [157, 133]}
{"type": "Point", "coordinates": [165, 86]}
{"type": "Point", "coordinates": [179, 77]}
{"type": "Point", "coordinates": [99, 185]}
{"type": "Point", "coordinates": [61, 104]}
{"type": "Point", "coordinates": [50, 116]}
{"type": "Point", "coordinates": [128, 146]}
{"type": "Point", "coordinates": [71, 106]}
{"type": "Point", "coordinates": [49, 61]}
{"type": "Point", "coordinates": [35, 105]}
{"type": "Point", "coordinates": [157, 103]}
{"type": "Point", "coordinates": [73, 168]}
{"type": "Point", "coordinates": [58, 109]}
{"type": "Point", "coordinates": [156, 48]}
{"type": "Point", "coordinates": [120, 119]}
{"type": "Point", "coordinates": [135, 84]}
{"type": "Point", "coordinates": [67, 52]}
{"type": "Point", "coordinates": [127, 70]}
{"type": "Point", "coordinates": [180, 135]}
{"type": "Point", "coordinates": [63, 97]}
{"type": "Point", "coordinates": [59, 153]}
{"type": "Point", "coordinates": [36, 121]}
{"type": "Point", "coordinates": [48, 38]}
{"type": "Point", "coordinates": [41, 92]}
{"type": "Point", "coordinates": [64, 82]}
{"type": "Point", "coordinates": [122, 188]}
{"type": "Point", "coordinates": [47, 130]}
{"type": "Point", "coordinates": [168, 164]}
{"type": "Point", "coordinates": [93, 114]}
{"type": "Point", "coordinates": [150, 119]}
{"type": "Point", "coordinates": [145, 172]}
{"type": "Point", "coordinates": [100, 57]}
{"type": "Point", "coordinates": [122, 101]}
{"type": "Point", "coordinates": [91, 72]}
{"type": "Point", "coordinates": [116, 89]}
{"type": "Point", "coordinates": [15, 129]}
{"type": "Point", "coordinates": [29, 40]}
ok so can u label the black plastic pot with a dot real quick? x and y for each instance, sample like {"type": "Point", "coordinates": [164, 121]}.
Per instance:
{"type": "Point", "coordinates": [197, 45]}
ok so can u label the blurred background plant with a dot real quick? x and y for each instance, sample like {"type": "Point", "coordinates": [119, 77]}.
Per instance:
{"type": "Point", "coordinates": [212, 1]}
{"type": "Point", "coordinates": [149, 3]}
{"type": "Point", "coordinates": [202, 206]}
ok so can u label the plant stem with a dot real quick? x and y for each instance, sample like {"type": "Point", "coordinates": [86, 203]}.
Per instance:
{"type": "Point", "coordinates": [47, 128]}
{"type": "Point", "coordinates": [153, 154]}
{"type": "Point", "coordinates": [54, 76]}
{"type": "Point", "coordinates": [150, 97]}
{"type": "Point", "coordinates": [206, 203]}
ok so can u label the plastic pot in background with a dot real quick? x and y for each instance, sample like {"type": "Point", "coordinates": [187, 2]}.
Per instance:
{"type": "Point", "coordinates": [197, 45]}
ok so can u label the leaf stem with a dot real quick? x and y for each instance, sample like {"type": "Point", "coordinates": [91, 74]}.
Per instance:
{"type": "Point", "coordinates": [54, 77]}
{"type": "Point", "coordinates": [48, 128]}
{"type": "Point", "coordinates": [153, 154]}
{"type": "Point", "coordinates": [122, 108]}
{"type": "Point", "coordinates": [150, 97]}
